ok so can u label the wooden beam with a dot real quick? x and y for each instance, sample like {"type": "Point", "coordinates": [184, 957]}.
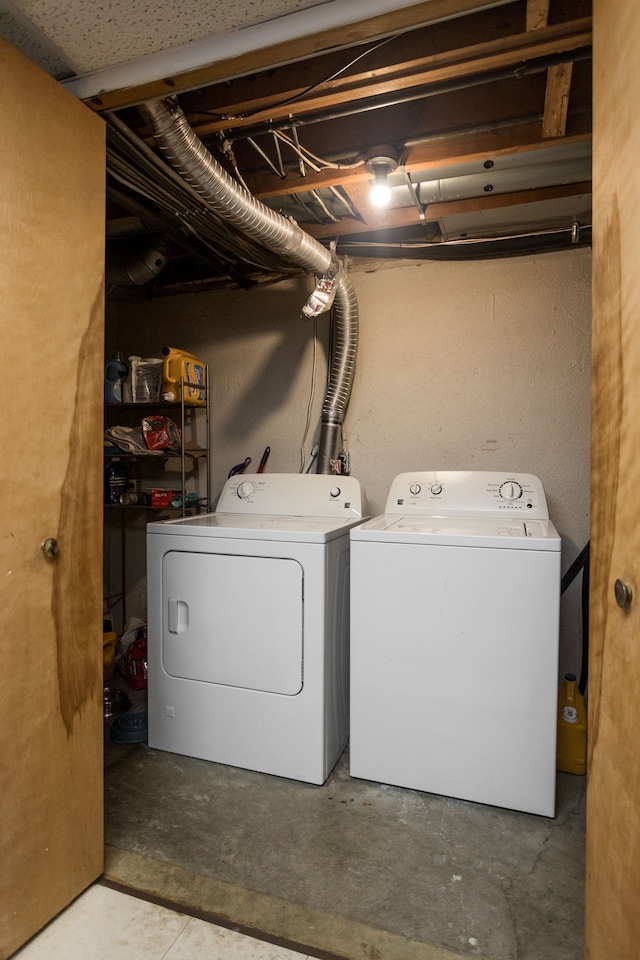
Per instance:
{"type": "Point", "coordinates": [396, 21]}
{"type": "Point", "coordinates": [537, 14]}
{"type": "Point", "coordinates": [556, 101]}
{"type": "Point", "coordinates": [428, 72]}
{"type": "Point", "coordinates": [488, 146]}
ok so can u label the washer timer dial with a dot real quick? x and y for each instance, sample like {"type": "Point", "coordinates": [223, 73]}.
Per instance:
{"type": "Point", "coordinates": [414, 489]}
{"type": "Point", "coordinates": [510, 490]}
{"type": "Point", "coordinates": [245, 489]}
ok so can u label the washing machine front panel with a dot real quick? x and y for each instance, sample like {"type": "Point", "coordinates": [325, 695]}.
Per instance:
{"type": "Point", "coordinates": [455, 597]}
{"type": "Point", "coordinates": [233, 620]}
{"type": "Point", "coordinates": [454, 659]}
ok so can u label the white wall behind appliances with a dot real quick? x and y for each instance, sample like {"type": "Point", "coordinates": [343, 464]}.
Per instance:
{"type": "Point", "coordinates": [481, 365]}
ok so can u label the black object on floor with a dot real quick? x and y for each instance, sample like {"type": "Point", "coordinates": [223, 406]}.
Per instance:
{"type": "Point", "coordinates": [131, 728]}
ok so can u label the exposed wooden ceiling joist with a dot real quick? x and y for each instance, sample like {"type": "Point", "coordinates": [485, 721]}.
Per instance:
{"type": "Point", "coordinates": [294, 51]}
{"type": "Point", "coordinates": [441, 72]}
{"type": "Point", "coordinates": [505, 86]}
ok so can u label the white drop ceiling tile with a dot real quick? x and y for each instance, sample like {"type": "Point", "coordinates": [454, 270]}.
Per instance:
{"type": "Point", "coordinates": [101, 34]}
{"type": "Point", "coordinates": [37, 48]}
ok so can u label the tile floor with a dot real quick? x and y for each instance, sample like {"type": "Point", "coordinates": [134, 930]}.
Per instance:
{"type": "Point", "coordinates": [105, 924]}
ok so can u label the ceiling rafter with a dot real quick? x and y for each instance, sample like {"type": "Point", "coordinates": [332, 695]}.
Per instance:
{"type": "Point", "coordinates": [556, 101]}
{"type": "Point", "coordinates": [505, 88]}
{"type": "Point", "coordinates": [463, 63]}
{"type": "Point", "coordinates": [293, 51]}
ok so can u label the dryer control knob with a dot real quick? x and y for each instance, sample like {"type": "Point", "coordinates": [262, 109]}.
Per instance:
{"type": "Point", "coordinates": [245, 489]}
{"type": "Point", "coordinates": [334, 492]}
{"type": "Point", "coordinates": [415, 488]}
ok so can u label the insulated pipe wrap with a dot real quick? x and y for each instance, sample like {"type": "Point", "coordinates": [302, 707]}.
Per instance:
{"type": "Point", "coordinates": [189, 157]}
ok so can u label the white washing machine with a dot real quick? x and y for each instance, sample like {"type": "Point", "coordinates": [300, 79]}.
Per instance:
{"type": "Point", "coordinates": [455, 597]}
{"type": "Point", "coordinates": [248, 626]}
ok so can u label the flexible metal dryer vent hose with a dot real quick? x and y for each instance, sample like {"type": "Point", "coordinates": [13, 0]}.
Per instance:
{"type": "Point", "coordinates": [189, 157]}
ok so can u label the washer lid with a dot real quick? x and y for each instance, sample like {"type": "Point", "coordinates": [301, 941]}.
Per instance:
{"type": "Point", "coordinates": [508, 533]}
{"type": "Point", "coordinates": [256, 527]}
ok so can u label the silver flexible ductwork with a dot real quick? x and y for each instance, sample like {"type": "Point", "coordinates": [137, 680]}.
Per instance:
{"type": "Point", "coordinates": [189, 157]}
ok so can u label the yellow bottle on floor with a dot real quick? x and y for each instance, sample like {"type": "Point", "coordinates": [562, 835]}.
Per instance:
{"type": "Point", "coordinates": [572, 728]}
{"type": "Point", "coordinates": [177, 364]}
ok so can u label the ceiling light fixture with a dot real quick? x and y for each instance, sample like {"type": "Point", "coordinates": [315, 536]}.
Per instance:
{"type": "Point", "coordinates": [380, 163]}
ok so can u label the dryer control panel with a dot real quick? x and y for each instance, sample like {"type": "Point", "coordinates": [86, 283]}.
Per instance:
{"type": "Point", "coordinates": [468, 493]}
{"type": "Point", "coordinates": [293, 495]}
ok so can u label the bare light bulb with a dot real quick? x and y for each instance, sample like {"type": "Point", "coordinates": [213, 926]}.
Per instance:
{"type": "Point", "coordinates": [380, 163]}
{"type": "Point", "coordinates": [380, 192]}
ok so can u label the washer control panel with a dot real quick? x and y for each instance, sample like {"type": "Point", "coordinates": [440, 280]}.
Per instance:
{"type": "Point", "coordinates": [468, 493]}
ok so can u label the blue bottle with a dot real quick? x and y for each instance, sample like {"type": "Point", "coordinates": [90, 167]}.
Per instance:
{"type": "Point", "coordinates": [115, 373]}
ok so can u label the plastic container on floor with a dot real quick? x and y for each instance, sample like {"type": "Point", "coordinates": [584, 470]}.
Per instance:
{"type": "Point", "coordinates": [572, 728]}
{"type": "Point", "coordinates": [131, 728]}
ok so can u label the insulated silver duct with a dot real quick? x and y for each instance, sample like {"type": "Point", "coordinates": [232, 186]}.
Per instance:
{"type": "Point", "coordinates": [188, 155]}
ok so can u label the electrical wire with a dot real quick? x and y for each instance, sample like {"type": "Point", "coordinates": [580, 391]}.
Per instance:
{"type": "Point", "coordinates": [344, 200]}
{"type": "Point", "coordinates": [316, 163]}
{"type": "Point", "coordinates": [303, 93]}
{"type": "Point", "coordinates": [316, 196]}
{"type": "Point", "coordinates": [227, 150]}
{"type": "Point", "coordinates": [310, 157]}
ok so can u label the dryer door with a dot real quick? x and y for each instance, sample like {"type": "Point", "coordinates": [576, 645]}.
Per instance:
{"type": "Point", "coordinates": [233, 620]}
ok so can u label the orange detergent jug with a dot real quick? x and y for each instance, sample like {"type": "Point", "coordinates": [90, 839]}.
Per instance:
{"type": "Point", "coordinates": [180, 364]}
{"type": "Point", "coordinates": [572, 728]}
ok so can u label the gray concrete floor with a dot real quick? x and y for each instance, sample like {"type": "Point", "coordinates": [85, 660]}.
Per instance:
{"type": "Point", "coordinates": [352, 869]}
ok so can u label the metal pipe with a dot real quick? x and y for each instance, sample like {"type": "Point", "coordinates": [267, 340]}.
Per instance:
{"type": "Point", "coordinates": [191, 159]}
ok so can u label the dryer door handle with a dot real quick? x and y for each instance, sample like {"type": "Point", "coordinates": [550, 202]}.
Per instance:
{"type": "Point", "coordinates": [178, 615]}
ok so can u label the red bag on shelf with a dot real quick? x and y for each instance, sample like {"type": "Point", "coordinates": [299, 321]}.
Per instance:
{"type": "Point", "coordinates": [160, 432]}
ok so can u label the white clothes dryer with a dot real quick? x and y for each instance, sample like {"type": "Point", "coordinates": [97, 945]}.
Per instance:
{"type": "Point", "coordinates": [248, 625]}
{"type": "Point", "coordinates": [455, 597]}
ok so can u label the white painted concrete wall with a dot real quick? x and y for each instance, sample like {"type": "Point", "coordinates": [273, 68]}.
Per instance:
{"type": "Point", "coordinates": [473, 366]}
